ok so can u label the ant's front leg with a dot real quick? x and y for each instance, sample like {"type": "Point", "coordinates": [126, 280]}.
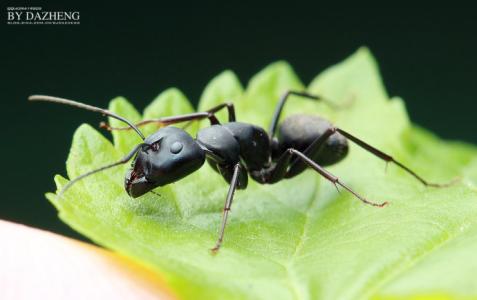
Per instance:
{"type": "Point", "coordinates": [209, 114]}
{"type": "Point", "coordinates": [230, 109]}
{"type": "Point", "coordinates": [169, 120]}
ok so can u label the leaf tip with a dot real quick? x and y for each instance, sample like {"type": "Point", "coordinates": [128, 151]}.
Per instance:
{"type": "Point", "coordinates": [172, 92]}
{"type": "Point", "coordinates": [227, 79]}
{"type": "Point", "coordinates": [365, 51]}
{"type": "Point", "coordinates": [227, 74]}
{"type": "Point", "coordinates": [118, 101]}
{"type": "Point", "coordinates": [123, 107]}
{"type": "Point", "coordinates": [281, 66]}
{"type": "Point", "coordinates": [279, 74]}
{"type": "Point", "coordinates": [365, 54]}
{"type": "Point", "coordinates": [169, 97]}
{"type": "Point", "coordinates": [83, 131]}
{"type": "Point", "coordinates": [226, 86]}
{"type": "Point", "coordinates": [60, 182]}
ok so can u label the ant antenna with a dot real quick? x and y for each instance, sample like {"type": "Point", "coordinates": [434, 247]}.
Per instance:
{"type": "Point", "coordinates": [123, 160]}
{"type": "Point", "coordinates": [85, 106]}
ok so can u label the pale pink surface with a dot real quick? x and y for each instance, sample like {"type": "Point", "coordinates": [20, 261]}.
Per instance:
{"type": "Point", "coordinates": [36, 264]}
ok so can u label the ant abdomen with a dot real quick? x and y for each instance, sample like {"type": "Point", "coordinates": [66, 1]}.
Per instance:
{"type": "Point", "coordinates": [300, 131]}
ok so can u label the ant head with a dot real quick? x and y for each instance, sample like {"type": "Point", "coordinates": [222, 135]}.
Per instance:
{"type": "Point", "coordinates": [164, 157]}
{"type": "Point", "coordinates": [170, 154]}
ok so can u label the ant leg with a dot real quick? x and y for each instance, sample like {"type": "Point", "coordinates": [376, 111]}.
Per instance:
{"type": "Point", "coordinates": [228, 204]}
{"type": "Point", "coordinates": [285, 167]}
{"type": "Point", "coordinates": [210, 114]}
{"type": "Point", "coordinates": [281, 103]}
{"type": "Point", "coordinates": [169, 120]}
{"type": "Point", "coordinates": [387, 158]}
{"type": "Point", "coordinates": [335, 180]}
{"type": "Point", "coordinates": [230, 110]}
{"type": "Point", "coordinates": [297, 166]}
{"type": "Point", "coordinates": [323, 172]}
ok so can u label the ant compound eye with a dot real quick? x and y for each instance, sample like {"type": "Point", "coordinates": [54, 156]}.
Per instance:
{"type": "Point", "coordinates": [176, 147]}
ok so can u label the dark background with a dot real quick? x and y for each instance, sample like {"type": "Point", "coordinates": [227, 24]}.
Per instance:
{"type": "Point", "coordinates": [428, 56]}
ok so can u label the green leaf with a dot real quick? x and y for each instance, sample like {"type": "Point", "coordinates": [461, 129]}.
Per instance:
{"type": "Point", "coordinates": [226, 87]}
{"type": "Point", "coordinates": [264, 90]}
{"type": "Point", "coordinates": [171, 102]}
{"type": "Point", "coordinates": [123, 140]}
{"type": "Point", "coordinates": [299, 238]}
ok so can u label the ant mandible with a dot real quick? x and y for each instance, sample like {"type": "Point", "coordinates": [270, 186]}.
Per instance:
{"type": "Point", "coordinates": [235, 150]}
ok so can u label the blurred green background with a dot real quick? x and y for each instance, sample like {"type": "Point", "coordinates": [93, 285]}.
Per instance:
{"type": "Point", "coordinates": [427, 56]}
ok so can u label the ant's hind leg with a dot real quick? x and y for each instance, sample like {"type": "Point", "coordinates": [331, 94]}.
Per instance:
{"type": "Point", "coordinates": [387, 158]}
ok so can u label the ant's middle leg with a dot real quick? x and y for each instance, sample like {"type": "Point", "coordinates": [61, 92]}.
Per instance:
{"type": "Point", "coordinates": [228, 204]}
{"type": "Point", "coordinates": [285, 162]}
{"type": "Point", "coordinates": [297, 166]}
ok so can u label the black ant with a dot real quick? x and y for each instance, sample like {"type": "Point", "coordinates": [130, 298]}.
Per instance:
{"type": "Point", "coordinates": [235, 150]}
